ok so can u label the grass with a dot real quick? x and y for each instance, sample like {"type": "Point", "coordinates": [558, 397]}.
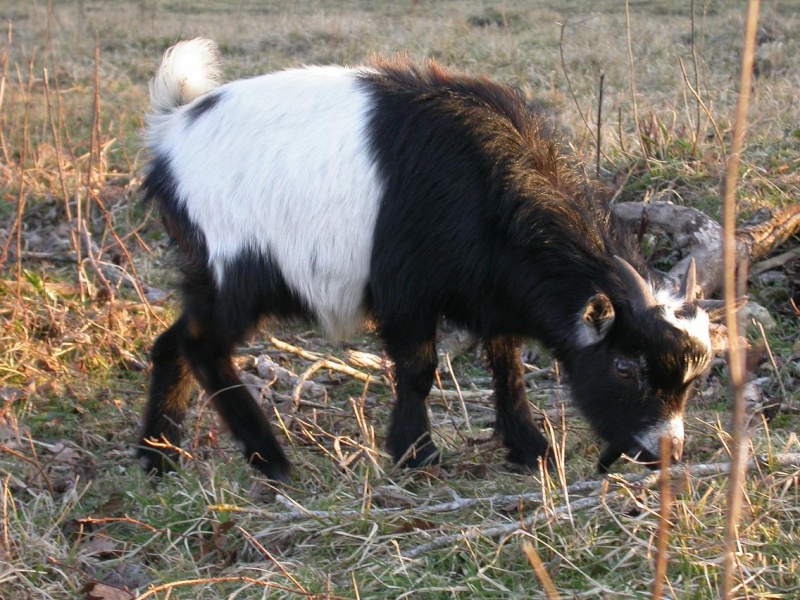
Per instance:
{"type": "Point", "coordinates": [77, 321]}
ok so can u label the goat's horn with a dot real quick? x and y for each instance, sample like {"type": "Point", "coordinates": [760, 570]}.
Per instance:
{"type": "Point", "coordinates": [689, 282]}
{"type": "Point", "coordinates": [638, 289]}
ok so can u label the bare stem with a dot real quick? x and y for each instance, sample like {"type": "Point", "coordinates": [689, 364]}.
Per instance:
{"type": "Point", "coordinates": [633, 86]}
{"type": "Point", "coordinates": [735, 355]}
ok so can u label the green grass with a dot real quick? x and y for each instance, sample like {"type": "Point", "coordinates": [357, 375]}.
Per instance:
{"type": "Point", "coordinates": [76, 510]}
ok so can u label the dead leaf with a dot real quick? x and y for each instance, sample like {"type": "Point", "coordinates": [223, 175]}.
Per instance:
{"type": "Point", "coordinates": [101, 591]}
{"type": "Point", "coordinates": [101, 547]}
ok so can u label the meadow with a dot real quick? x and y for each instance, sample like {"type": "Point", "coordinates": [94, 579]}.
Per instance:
{"type": "Point", "coordinates": [86, 284]}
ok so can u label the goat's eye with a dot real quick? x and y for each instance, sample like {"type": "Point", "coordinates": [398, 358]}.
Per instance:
{"type": "Point", "coordinates": [624, 368]}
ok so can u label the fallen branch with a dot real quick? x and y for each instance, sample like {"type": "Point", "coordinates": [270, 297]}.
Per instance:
{"type": "Point", "coordinates": [700, 237]}
{"type": "Point", "coordinates": [774, 262]}
{"type": "Point", "coordinates": [590, 492]}
{"type": "Point", "coordinates": [328, 363]}
{"type": "Point", "coordinates": [646, 481]}
{"type": "Point", "coordinates": [334, 364]}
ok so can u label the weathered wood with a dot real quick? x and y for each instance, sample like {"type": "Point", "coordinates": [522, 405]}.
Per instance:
{"type": "Point", "coordinates": [700, 237]}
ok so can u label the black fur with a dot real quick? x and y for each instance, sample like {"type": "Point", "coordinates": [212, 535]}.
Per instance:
{"type": "Point", "coordinates": [202, 106]}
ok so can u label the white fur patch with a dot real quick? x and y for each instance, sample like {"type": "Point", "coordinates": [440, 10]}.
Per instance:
{"type": "Point", "coordinates": [282, 165]}
{"type": "Point", "coordinates": [697, 327]}
{"type": "Point", "coordinates": [188, 70]}
{"type": "Point", "coordinates": [650, 440]}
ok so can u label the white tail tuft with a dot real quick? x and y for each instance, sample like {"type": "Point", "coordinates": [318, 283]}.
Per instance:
{"type": "Point", "coordinates": [188, 70]}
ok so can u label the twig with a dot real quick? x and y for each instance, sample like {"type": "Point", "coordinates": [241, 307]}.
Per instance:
{"type": "Point", "coordinates": [599, 124]}
{"type": "Point", "coordinates": [569, 83]}
{"type": "Point", "coordinates": [464, 410]}
{"type": "Point", "coordinates": [329, 363]}
{"type": "Point", "coordinates": [735, 356]}
{"type": "Point", "coordinates": [647, 481]}
{"type": "Point", "coordinates": [164, 444]}
{"type": "Point", "coordinates": [133, 278]}
{"type": "Point", "coordinates": [274, 560]}
{"type": "Point", "coordinates": [784, 395]}
{"type": "Point", "coordinates": [772, 263]}
{"type": "Point", "coordinates": [35, 464]}
{"type": "Point", "coordinates": [663, 521]}
{"type": "Point", "coordinates": [302, 379]}
{"type": "Point", "coordinates": [581, 490]}
{"type": "Point", "coordinates": [705, 108]}
{"type": "Point", "coordinates": [633, 86]}
{"type": "Point", "coordinates": [696, 140]}
{"type": "Point", "coordinates": [538, 567]}
{"type": "Point", "coordinates": [87, 240]}
{"type": "Point", "coordinates": [210, 581]}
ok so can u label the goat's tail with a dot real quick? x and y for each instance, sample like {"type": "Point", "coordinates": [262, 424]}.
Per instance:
{"type": "Point", "coordinates": [188, 70]}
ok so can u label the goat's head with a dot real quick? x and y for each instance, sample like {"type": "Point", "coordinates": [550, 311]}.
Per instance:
{"type": "Point", "coordinates": [635, 365]}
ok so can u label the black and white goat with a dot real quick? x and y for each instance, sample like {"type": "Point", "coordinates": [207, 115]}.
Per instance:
{"type": "Point", "coordinates": [401, 193]}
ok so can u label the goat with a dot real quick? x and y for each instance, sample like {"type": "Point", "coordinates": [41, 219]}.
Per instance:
{"type": "Point", "coordinates": [402, 193]}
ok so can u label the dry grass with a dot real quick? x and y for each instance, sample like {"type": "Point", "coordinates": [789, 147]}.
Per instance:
{"type": "Point", "coordinates": [82, 267]}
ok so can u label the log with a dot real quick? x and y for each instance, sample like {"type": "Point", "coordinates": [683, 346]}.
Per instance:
{"type": "Point", "coordinates": [700, 237]}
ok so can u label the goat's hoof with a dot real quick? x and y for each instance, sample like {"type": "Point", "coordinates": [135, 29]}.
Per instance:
{"type": "Point", "coordinates": [157, 462]}
{"type": "Point", "coordinates": [277, 471]}
{"type": "Point", "coordinates": [532, 462]}
{"type": "Point", "coordinates": [427, 455]}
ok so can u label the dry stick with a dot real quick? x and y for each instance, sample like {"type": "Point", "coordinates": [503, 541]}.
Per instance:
{"type": "Point", "coordinates": [59, 154]}
{"type": "Point", "coordinates": [696, 84]}
{"type": "Point", "coordinates": [302, 379]}
{"type": "Point", "coordinates": [633, 86]}
{"type": "Point", "coordinates": [21, 197]}
{"type": "Point", "coordinates": [134, 278]}
{"type": "Point", "coordinates": [84, 220]}
{"type": "Point", "coordinates": [784, 395]}
{"type": "Point", "coordinates": [3, 79]}
{"type": "Point", "coordinates": [329, 363]}
{"type": "Point", "coordinates": [774, 262]}
{"type": "Point", "coordinates": [538, 567]}
{"type": "Point", "coordinates": [6, 544]}
{"type": "Point", "coordinates": [702, 104]}
{"type": "Point", "coordinates": [735, 355]}
{"type": "Point", "coordinates": [94, 136]}
{"type": "Point", "coordinates": [464, 410]}
{"type": "Point", "coordinates": [599, 124]}
{"type": "Point", "coordinates": [663, 521]}
{"type": "Point", "coordinates": [205, 582]}
{"type": "Point", "coordinates": [646, 481]}
{"type": "Point", "coordinates": [272, 559]}
{"type": "Point", "coordinates": [335, 364]}
{"type": "Point", "coordinates": [35, 464]}
{"type": "Point", "coordinates": [566, 77]}
{"type": "Point", "coordinates": [581, 488]}
{"type": "Point", "coordinates": [60, 164]}
{"type": "Point", "coordinates": [73, 231]}
{"type": "Point", "coordinates": [87, 240]}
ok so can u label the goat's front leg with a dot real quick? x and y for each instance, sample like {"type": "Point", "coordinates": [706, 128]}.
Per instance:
{"type": "Point", "coordinates": [514, 419]}
{"type": "Point", "coordinates": [409, 439]}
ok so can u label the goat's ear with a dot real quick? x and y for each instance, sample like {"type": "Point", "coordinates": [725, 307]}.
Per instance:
{"type": "Point", "coordinates": [596, 319]}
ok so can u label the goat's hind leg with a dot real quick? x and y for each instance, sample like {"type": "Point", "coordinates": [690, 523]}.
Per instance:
{"type": "Point", "coordinates": [170, 388]}
{"type": "Point", "coordinates": [514, 420]}
{"type": "Point", "coordinates": [209, 354]}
